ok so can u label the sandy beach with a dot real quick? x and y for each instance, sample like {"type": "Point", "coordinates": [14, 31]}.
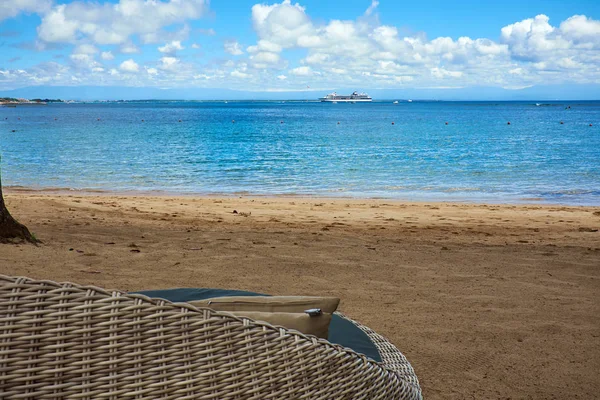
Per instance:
{"type": "Point", "coordinates": [486, 301]}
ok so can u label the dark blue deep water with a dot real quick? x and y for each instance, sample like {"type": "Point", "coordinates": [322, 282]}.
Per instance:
{"type": "Point", "coordinates": [476, 157]}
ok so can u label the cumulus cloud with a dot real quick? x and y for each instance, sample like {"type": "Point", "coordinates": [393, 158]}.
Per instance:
{"type": "Point", "coordinates": [171, 48]}
{"type": "Point", "coordinates": [12, 8]}
{"type": "Point", "coordinates": [129, 66]}
{"type": "Point", "coordinates": [233, 48]}
{"type": "Point", "coordinates": [380, 53]}
{"type": "Point", "coordinates": [266, 57]}
{"type": "Point", "coordinates": [129, 48]}
{"type": "Point", "coordinates": [240, 74]}
{"type": "Point", "coordinates": [302, 71]}
{"type": "Point", "coordinates": [108, 23]}
{"type": "Point", "coordinates": [169, 63]}
{"type": "Point", "coordinates": [361, 52]}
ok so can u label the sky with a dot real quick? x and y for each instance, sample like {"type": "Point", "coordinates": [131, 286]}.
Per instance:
{"type": "Point", "coordinates": [309, 45]}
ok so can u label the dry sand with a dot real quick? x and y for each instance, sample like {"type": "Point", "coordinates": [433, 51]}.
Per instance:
{"type": "Point", "coordinates": [486, 301]}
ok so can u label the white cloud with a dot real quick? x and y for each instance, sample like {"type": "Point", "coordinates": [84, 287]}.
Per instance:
{"type": "Point", "coordinates": [85, 49]}
{"type": "Point", "coordinates": [12, 8]}
{"type": "Point", "coordinates": [86, 61]}
{"type": "Point", "coordinates": [265, 45]}
{"type": "Point", "coordinates": [239, 74]}
{"type": "Point", "coordinates": [282, 24]}
{"type": "Point", "coordinates": [171, 48]}
{"type": "Point", "coordinates": [129, 66]}
{"type": "Point", "coordinates": [317, 58]}
{"type": "Point", "coordinates": [169, 63]}
{"type": "Point", "coordinates": [443, 73]}
{"type": "Point", "coordinates": [333, 53]}
{"type": "Point", "coordinates": [266, 57]}
{"type": "Point", "coordinates": [233, 47]}
{"type": "Point", "coordinates": [372, 7]}
{"type": "Point", "coordinates": [580, 27]}
{"type": "Point", "coordinates": [129, 48]}
{"type": "Point", "coordinates": [302, 71]}
{"type": "Point", "coordinates": [107, 55]}
{"type": "Point", "coordinates": [107, 23]}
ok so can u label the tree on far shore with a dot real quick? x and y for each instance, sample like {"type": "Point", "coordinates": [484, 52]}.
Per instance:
{"type": "Point", "coordinates": [10, 229]}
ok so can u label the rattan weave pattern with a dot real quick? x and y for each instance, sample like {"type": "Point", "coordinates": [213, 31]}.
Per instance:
{"type": "Point", "coordinates": [66, 341]}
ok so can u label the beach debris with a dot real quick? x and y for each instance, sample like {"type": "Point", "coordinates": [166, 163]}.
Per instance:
{"type": "Point", "coordinates": [90, 271]}
{"type": "Point", "coordinates": [586, 229]}
{"type": "Point", "coordinates": [445, 248]}
{"type": "Point", "coordinates": [135, 251]}
{"type": "Point", "coordinates": [235, 212]}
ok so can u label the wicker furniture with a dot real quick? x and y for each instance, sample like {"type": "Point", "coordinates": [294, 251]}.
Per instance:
{"type": "Point", "coordinates": [65, 341]}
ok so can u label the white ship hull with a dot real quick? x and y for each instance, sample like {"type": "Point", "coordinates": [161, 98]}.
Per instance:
{"type": "Point", "coordinates": [324, 100]}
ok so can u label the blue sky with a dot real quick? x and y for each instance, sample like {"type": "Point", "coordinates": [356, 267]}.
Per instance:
{"type": "Point", "coordinates": [278, 46]}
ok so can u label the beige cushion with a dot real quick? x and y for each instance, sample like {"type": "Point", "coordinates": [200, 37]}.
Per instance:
{"type": "Point", "coordinates": [290, 304]}
{"type": "Point", "coordinates": [301, 322]}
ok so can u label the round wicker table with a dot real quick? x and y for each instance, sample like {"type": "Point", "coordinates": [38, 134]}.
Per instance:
{"type": "Point", "coordinates": [67, 341]}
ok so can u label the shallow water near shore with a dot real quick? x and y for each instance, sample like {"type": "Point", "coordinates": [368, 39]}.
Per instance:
{"type": "Point", "coordinates": [385, 150]}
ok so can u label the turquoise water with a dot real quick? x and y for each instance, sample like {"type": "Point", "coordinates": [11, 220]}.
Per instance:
{"type": "Point", "coordinates": [299, 148]}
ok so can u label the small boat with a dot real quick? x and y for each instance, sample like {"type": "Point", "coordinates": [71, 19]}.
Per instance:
{"type": "Point", "coordinates": [396, 102]}
{"type": "Point", "coordinates": [410, 101]}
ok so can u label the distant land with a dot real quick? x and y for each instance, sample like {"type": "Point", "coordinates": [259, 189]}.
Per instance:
{"type": "Point", "coordinates": [539, 93]}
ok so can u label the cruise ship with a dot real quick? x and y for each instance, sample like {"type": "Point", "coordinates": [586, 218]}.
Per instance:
{"type": "Point", "coordinates": [353, 98]}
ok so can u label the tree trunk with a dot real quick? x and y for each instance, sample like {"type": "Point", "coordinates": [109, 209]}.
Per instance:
{"type": "Point", "coordinates": [11, 230]}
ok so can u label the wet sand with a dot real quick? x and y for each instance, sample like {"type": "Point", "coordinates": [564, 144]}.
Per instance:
{"type": "Point", "coordinates": [486, 301]}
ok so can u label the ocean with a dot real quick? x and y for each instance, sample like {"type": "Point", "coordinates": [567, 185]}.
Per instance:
{"type": "Point", "coordinates": [432, 151]}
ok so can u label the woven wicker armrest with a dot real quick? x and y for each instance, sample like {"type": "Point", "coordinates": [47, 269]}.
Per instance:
{"type": "Point", "coordinates": [66, 341]}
